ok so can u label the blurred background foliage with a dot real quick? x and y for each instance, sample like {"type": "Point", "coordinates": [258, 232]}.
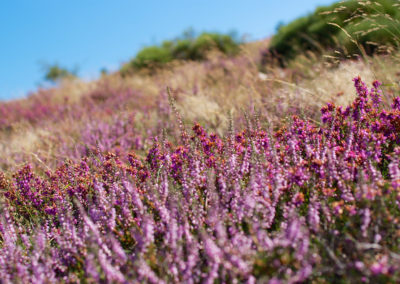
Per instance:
{"type": "Point", "coordinates": [55, 72]}
{"type": "Point", "coordinates": [187, 47]}
{"type": "Point", "coordinates": [348, 28]}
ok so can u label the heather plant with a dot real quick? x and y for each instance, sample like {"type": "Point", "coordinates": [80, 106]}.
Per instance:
{"type": "Point", "coordinates": [105, 181]}
{"type": "Point", "coordinates": [303, 202]}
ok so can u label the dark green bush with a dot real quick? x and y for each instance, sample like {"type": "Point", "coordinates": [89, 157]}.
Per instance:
{"type": "Point", "coordinates": [186, 48]}
{"type": "Point", "coordinates": [357, 25]}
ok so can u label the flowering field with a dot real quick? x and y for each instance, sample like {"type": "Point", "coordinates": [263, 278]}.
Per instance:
{"type": "Point", "coordinates": [306, 201]}
{"type": "Point", "coordinates": [229, 169]}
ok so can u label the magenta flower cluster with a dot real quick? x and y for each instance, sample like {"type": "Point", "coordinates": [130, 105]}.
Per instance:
{"type": "Point", "coordinates": [304, 202]}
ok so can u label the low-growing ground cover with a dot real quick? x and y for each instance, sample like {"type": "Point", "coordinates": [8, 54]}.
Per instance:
{"type": "Point", "coordinates": [111, 180]}
{"type": "Point", "coordinates": [55, 124]}
{"type": "Point", "coordinates": [305, 202]}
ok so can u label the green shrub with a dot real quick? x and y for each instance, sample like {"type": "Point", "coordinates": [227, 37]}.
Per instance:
{"type": "Point", "coordinates": [181, 49]}
{"type": "Point", "coordinates": [152, 56]}
{"type": "Point", "coordinates": [186, 48]}
{"type": "Point", "coordinates": [54, 73]}
{"type": "Point", "coordinates": [289, 37]}
{"type": "Point", "coordinates": [369, 23]}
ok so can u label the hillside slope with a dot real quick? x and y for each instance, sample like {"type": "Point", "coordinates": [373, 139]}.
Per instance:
{"type": "Point", "coordinates": [53, 124]}
{"type": "Point", "coordinates": [289, 175]}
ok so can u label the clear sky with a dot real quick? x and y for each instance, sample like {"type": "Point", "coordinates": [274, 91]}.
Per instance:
{"type": "Point", "coordinates": [96, 34]}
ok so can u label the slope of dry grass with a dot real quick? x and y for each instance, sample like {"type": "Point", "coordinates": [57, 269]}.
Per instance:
{"type": "Point", "coordinates": [45, 127]}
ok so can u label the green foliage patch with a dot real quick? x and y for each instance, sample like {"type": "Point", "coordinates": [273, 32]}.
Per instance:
{"type": "Point", "coordinates": [352, 27]}
{"type": "Point", "coordinates": [186, 48]}
{"type": "Point", "coordinates": [55, 72]}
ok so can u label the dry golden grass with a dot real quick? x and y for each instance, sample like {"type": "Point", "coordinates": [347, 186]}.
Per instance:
{"type": "Point", "coordinates": [208, 92]}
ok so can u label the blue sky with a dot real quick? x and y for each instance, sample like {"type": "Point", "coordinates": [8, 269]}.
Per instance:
{"type": "Point", "coordinates": [96, 34]}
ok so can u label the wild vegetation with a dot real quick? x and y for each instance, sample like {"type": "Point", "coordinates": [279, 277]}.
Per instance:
{"type": "Point", "coordinates": [206, 171]}
{"type": "Point", "coordinates": [348, 27]}
{"type": "Point", "coordinates": [55, 73]}
{"type": "Point", "coordinates": [188, 47]}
